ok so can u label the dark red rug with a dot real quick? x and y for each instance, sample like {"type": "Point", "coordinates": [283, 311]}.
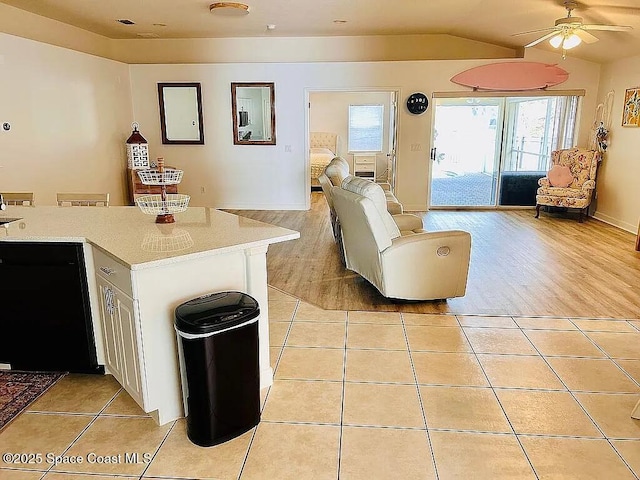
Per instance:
{"type": "Point", "coordinates": [18, 390]}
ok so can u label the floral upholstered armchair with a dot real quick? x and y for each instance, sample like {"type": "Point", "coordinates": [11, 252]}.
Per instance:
{"type": "Point", "coordinates": [571, 180]}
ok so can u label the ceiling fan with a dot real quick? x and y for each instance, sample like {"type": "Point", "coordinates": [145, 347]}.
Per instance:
{"type": "Point", "coordinates": [569, 32]}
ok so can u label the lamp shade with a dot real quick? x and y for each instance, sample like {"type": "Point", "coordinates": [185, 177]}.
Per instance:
{"type": "Point", "coordinates": [571, 41]}
{"type": "Point", "coordinates": [556, 40]}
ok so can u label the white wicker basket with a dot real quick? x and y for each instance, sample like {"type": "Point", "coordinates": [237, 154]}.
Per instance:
{"type": "Point", "coordinates": [168, 176]}
{"type": "Point", "coordinates": [154, 205]}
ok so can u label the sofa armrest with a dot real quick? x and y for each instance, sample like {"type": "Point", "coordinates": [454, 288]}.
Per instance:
{"type": "Point", "coordinates": [394, 207]}
{"type": "Point", "coordinates": [544, 182]}
{"type": "Point", "coordinates": [407, 221]}
{"type": "Point", "coordinates": [430, 265]}
{"type": "Point", "coordinates": [589, 185]}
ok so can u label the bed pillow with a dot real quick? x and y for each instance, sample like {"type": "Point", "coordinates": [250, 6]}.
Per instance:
{"type": "Point", "coordinates": [560, 176]}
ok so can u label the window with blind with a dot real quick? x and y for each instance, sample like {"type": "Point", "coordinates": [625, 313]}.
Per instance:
{"type": "Point", "coordinates": [365, 128]}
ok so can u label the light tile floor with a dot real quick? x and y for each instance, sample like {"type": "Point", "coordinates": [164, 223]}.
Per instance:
{"type": "Point", "coordinates": [365, 395]}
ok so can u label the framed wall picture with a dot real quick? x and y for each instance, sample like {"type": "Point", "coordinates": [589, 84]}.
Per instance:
{"type": "Point", "coordinates": [631, 108]}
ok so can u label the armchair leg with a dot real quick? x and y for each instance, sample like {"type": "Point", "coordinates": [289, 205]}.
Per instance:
{"type": "Point", "coordinates": [581, 214]}
{"type": "Point", "coordinates": [537, 210]}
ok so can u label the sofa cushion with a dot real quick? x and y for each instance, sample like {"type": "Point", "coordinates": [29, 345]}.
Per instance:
{"type": "Point", "coordinates": [560, 176]}
{"type": "Point", "coordinates": [373, 192]}
{"type": "Point", "coordinates": [337, 170]}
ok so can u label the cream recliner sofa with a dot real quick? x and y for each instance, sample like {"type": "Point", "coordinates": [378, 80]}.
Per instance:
{"type": "Point", "coordinates": [333, 176]}
{"type": "Point", "coordinates": [413, 266]}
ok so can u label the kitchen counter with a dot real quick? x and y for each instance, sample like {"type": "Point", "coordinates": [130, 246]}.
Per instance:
{"type": "Point", "coordinates": [138, 272]}
{"type": "Point", "coordinates": [135, 239]}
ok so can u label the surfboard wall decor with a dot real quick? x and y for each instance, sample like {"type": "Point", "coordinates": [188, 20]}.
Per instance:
{"type": "Point", "coordinates": [512, 76]}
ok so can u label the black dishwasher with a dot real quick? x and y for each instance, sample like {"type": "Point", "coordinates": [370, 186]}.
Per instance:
{"type": "Point", "coordinates": [45, 318]}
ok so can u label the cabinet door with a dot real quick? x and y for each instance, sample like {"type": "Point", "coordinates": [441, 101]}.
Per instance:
{"type": "Point", "coordinates": [133, 375]}
{"type": "Point", "coordinates": [110, 328]}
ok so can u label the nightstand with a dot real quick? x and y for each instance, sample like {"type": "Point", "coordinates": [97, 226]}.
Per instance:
{"type": "Point", "coordinates": [364, 165]}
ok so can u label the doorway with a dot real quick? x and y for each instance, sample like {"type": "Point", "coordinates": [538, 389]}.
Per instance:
{"type": "Point", "coordinates": [490, 151]}
{"type": "Point", "coordinates": [365, 124]}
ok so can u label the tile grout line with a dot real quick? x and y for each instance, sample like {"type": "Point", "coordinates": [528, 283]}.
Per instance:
{"type": "Point", "coordinates": [266, 398]}
{"type": "Point", "coordinates": [96, 416]}
{"type": "Point", "coordinates": [282, 347]}
{"type": "Point", "coordinates": [575, 399]}
{"type": "Point", "coordinates": [495, 395]}
{"type": "Point", "coordinates": [607, 354]}
{"type": "Point", "coordinates": [144, 470]}
{"type": "Point", "coordinates": [344, 385]}
{"type": "Point", "coordinates": [415, 378]}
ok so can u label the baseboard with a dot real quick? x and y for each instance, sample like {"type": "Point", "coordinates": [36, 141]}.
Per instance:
{"type": "Point", "coordinates": [414, 207]}
{"type": "Point", "coordinates": [628, 227]}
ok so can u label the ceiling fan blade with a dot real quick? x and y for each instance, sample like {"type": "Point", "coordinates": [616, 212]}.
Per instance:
{"type": "Point", "coordinates": [611, 28]}
{"type": "Point", "coordinates": [540, 30]}
{"type": "Point", "coordinates": [541, 39]}
{"type": "Point", "coordinates": [585, 36]}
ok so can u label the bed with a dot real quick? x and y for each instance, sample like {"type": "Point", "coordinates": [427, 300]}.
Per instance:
{"type": "Point", "coordinates": [322, 148]}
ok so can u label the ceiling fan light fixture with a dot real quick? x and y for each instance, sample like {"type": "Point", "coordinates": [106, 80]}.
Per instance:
{"type": "Point", "coordinates": [556, 40]}
{"type": "Point", "coordinates": [571, 41]}
{"type": "Point", "coordinates": [565, 40]}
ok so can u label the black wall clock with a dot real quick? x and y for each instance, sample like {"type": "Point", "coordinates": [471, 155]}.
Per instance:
{"type": "Point", "coordinates": [417, 103]}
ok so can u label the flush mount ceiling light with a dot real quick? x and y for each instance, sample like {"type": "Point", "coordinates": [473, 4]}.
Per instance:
{"type": "Point", "coordinates": [229, 9]}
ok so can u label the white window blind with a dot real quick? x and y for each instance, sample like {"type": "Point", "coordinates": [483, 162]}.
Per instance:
{"type": "Point", "coordinates": [365, 128]}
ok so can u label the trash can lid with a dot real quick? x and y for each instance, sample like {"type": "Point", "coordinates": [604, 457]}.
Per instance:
{"type": "Point", "coordinates": [215, 311]}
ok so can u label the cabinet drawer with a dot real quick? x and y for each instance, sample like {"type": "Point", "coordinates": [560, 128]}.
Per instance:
{"type": "Point", "coordinates": [365, 168]}
{"type": "Point", "coordinates": [112, 270]}
{"type": "Point", "coordinates": [367, 161]}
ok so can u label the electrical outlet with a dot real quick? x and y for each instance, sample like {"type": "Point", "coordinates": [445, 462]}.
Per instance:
{"type": "Point", "coordinates": [416, 147]}
{"type": "Point", "coordinates": [203, 190]}
{"type": "Point", "coordinates": [287, 148]}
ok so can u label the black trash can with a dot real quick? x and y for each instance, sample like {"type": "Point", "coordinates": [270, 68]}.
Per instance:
{"type": "Point", "coordinates": [219, 337]}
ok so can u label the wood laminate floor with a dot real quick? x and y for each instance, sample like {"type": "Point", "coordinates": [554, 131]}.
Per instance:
{"type": "Point", "coordinates": [552, 266]}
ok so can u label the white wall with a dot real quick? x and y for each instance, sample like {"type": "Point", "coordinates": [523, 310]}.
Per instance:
{"type": "Point", "coordinates": [618, 179]}
{"type": "Point", "coordinates": [330, 113]}
{"type": "Point", "coordinates": [70, 115]}
{"type": "Point", "coordinates": [268, 177]}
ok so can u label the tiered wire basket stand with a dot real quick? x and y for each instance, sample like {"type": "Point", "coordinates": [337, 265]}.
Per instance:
{"type": "Point", "coordinates": [162, 205]}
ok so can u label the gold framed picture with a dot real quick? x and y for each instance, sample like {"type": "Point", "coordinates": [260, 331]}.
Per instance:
{"type": "Point", "coordinates": [631, 108]}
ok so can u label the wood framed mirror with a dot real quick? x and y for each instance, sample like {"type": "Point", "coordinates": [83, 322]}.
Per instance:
{"type": "Point", "coordinates": [181, 113]}
{"type": "Point", "coordinates": [254, 113]}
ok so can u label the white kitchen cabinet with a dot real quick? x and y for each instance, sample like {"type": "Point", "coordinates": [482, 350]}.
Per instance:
{"type": "Point", "coordinates": [112, 361]}
{"type": "Point", "coordinates": [135, 337]}
{"type": "Point", "coordinates": [122, 338]}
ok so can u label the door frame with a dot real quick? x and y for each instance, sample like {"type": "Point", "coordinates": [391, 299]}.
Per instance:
{"type": "Point", "coordinates": [307, 125]}
{"type": "Point", "coordinates": [503, 95]}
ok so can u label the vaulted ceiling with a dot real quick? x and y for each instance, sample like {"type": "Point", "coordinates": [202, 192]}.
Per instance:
{"type": "Point", "coordinates": [492, 21]}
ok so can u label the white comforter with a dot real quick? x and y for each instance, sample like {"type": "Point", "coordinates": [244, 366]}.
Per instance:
{"type": "Point", "coordinates": [320, 158]}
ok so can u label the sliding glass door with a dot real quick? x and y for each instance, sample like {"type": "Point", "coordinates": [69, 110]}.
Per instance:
{"type": "Point", "coordinates": [490, 151]}
{"type": "Point", "coordinates": [466, 151]}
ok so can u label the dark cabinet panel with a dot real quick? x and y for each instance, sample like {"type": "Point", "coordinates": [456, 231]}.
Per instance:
{"type": "Point", "coordinates": [45, 319]}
